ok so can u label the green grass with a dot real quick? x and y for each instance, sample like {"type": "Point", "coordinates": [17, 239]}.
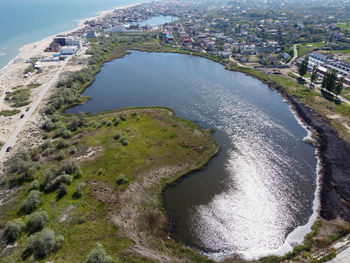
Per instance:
{"type": "Point", "coordinates": [156, 140]}
{"type": "Point", "coordinates": [303, 49]}
{"type": "Point", "coordinates": [19, 97]}
{"type": "Point", "coordinates": [8, 113]}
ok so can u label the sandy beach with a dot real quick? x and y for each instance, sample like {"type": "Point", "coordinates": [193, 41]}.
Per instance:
{"type": "Point", "coordinates": [12, 77]}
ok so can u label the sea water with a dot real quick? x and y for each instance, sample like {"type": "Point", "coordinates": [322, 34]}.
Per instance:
{"type": "Point", "coordinates": [26, 21]}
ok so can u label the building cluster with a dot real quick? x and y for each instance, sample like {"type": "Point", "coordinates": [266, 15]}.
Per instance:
{"type": "Point", "coordinates": [325, 62]}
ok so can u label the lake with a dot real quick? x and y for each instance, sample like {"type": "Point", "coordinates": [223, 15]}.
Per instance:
{"type": "Point", "coordinates": [257, 196]}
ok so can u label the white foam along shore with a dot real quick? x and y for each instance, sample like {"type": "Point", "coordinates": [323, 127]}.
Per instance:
{"type": "Point", "coordinates": [80, 26]}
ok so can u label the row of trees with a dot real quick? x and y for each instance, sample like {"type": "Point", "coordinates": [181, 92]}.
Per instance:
{"type": "Point", "coordinates": [330, 82]}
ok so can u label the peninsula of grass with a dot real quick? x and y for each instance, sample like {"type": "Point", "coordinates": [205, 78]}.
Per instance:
{"type": "Point", "coordinates": [125, 159]}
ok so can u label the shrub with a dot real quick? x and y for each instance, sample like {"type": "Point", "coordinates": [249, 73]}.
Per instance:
{"type": "Point", "coordinates": [60, 156]}
{"type": "Point", "coordinates": [100, 171]}
{"type": "Point", "coordinates": [47, 152]}
{"type": "Point", "coordinates": [31, 202]}
{"type": "Point", "coordinates": [34, 185]}
{"type": "Point", "coordinates": [48, 126]}
{"type": "Point", "coordinates": [79, 190]}
{"type": "Point", "coordinates": [55, 118]}
{"type": "Point", "coordinates": [63, 190]}
{"type": "Point", "coordinates": [124, 141]}
{"type": "Point", "coordinates": [122, 179]}
{"type": "Point", "coordinates": [66, 134]}
{"type": "Point", "coordinates": [36, 221]}
{"type": "Point", "coordinates": [109, 123]}
{"type": "Point", "coordinates": [117, 136]}
{"type": "Point", "coordinates": [116, 122]}
{"type": "Point", "coordinates": [47, 145]}
{"type": "Point", "coordinates": [56, 182]}
{"type": "Point", "coordinates": [98, 255]}
{"type": "Point", "coordinates": [104, 121]}
{"type": "Point", "coordinates": [122, 117]}
{"type": "Point", "coordinates": [62, 143]}
{"type": "Point", "coordinates": [13, 230]}
{"type": "Point", "coordinates": [70, 167]}
{"type": "Point", "coordinates": [74, 124]}
{"type": "Point", "coordinates": [42, 243]}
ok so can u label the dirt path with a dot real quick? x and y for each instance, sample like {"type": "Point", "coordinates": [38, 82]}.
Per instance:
{"type": "Point", "coordinates": [14, 136]}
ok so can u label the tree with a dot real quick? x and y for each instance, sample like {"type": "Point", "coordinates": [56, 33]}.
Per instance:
{"type": "Point", "coordinates": [329, 80]}
{"type": "Point", "coordinates": [332, 80]}
{"type": "Point", "coordinates": [303, 66]}
{"type": "Point", "coordinates": [314, 74]}
{"type": "Point", "coordinates": [339, 87]}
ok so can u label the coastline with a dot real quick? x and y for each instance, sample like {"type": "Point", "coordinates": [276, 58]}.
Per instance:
{"type": "Point", "coordinates": [79, 26]}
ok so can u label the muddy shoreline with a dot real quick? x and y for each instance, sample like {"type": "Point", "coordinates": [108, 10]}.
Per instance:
{"type": "Point", "coordinates": [334, 154]}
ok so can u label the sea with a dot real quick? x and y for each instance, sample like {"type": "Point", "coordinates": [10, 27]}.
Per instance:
{"type": "Point", "coordinates": [26, 21]}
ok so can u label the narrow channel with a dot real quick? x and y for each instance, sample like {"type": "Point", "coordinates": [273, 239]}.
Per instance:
{"type": "Point", "coordinates": [259, 189]}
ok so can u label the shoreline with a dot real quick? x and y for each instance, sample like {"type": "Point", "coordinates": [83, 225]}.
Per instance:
{"type": "Point", "coordinates": [79, 26]}
{"type": "Point", "coordinates": [299, 234]}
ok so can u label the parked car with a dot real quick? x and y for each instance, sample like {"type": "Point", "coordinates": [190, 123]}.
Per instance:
{"type": "Point", "coordinates": [8, 149]}
{"type": "Point", "coordinates": [22, 115]}
{"type": "Point", "coordinates": [27, 109]}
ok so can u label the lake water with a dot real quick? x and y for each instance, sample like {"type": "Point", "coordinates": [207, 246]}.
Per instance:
{"type": "Point", "coordinates": [25, 21]}
{"type": "Point", "coordinates": [257, 196]}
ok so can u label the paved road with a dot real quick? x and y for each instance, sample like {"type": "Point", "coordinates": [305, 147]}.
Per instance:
{"type": "Point", "coordinates": [14, 136]}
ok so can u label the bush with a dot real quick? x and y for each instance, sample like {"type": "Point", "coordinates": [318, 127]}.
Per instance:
{"type": "Point", "coordinates": [70, 167]}
{"type": "Point", "coordinates": [36, 221]}
{"type": "Point", "coordinates": [62, 143]}
{"type": "Point", "coordinates": [55, 118]}
{"type": "Point", "coordinates": [63, 190]}
{"type": "Point", "coordinates": [60, 156]}
{"type": "Point", "coordinates": [74, 124]}
{"type": "Point", "coordinates": [124, 141]}
{"type": "Point", "coordinates": [98, 255]}
{"type": "Point", "coordinates": [47, 145]}
{"type": "Point", "coordinates": [13, 230]}
{"type": "Point", "coordinates": [117, 136]}
{"type": "Point", "coordinates": [34, 185]}
{"type": "Point", "coordinates": [31, 202]}
{"type": "Point", "coordinates": [42, 243]}
{"type": "Point", "coordinates": [66, 134]}
{"type": "Point", "coordinates": [56, 182]}
{"type": "Point", "coordinates": [122, 117]}
{"type": "Point", "coordinates": [79, 190]}
{"type": "Point", "coordinates": [48, 126]}
{"type": "Point", "coordinates": [122, 179]}
{"type": "Point", "coordinates": [109, 123]}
